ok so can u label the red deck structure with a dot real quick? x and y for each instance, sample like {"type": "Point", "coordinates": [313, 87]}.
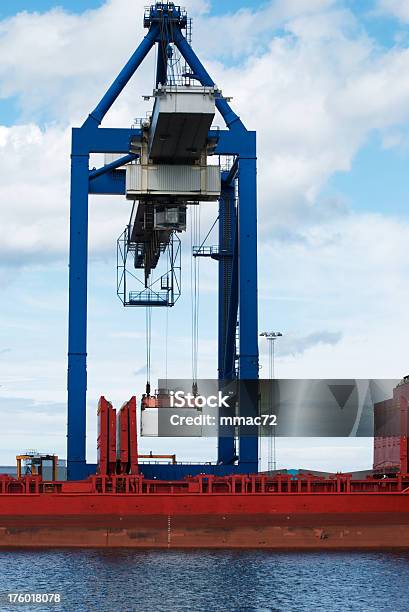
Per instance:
{"type": "Point", "coordinates": [106, 441]}
{"type": "Point", "coordinates": [281, 512]}
{"type": "Point", "coordinates": [118, 507]}
{"type": "Point", "coordinates": [127, 445]}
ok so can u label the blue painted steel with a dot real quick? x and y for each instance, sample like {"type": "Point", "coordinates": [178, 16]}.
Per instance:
{"type": "Point", "coordinates": [233, 299]}
{"type": "Point", "coordinates": [161, 65]}
{"type": "Point", "coordinates": [77, 324]}
{"type": "Point", "coordinates": [243, 287]}
{"type": "Point", "coordinates": [103, 181]}
{"type": "Point", "coordinates": [248, 315]}
{"type": "Point", "coordinates": [224, 280]}
{"type": "Point", "coordinates": [180, 470]}
{"type": "Point", "coordinates": [113, 165]}
{"type": "Point", "coordinates": [231, 328]}
{"type": "Point", "coordinates": [167, 471]}
{"type": "Point", "coordinates": [123, 77]}
{"type": "Point", "coordinates": [165, 12]}
{"type": "Point", "coordinates": [112, 183]}
{"type": "Point", "coordinates": [226, 449]}
{"type": "Point", "coordinates": [231, 119]}
{"type": "Point", "coordinates": [230, 142]}
{"type": "Point", "coordinates": [90, 139]}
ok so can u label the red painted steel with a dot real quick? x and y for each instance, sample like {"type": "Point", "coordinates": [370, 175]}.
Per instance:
{"type": "Point", "coordinates": [106, 441]}
{"type": "Point", "coordinates": [133, 436]}
{"type": "Point", "coordinates": [122, 431]}
{"type": "Point", "coordinates": [255, 510]}
{"type": "Point", "coordinates": [149, 401]}
{"type": "Point", "coordinates": [252, 484]}
{"type": "Point", "coordinates": [391, 431]}
{"type": "Point", "coordinates": [403, 433]}
{"type": "Point", "coordinates": [387, 436]}
{"type": "Point", "coordinates": [127, 445]}
{"type": "Point", "coordinates": [102, 437]}
{"type": "Point", "coordinates": [204, 511]}
{"type": "Point", "coordinates": [111, 440]}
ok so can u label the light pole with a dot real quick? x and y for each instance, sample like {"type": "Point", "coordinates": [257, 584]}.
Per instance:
{"type": "Point", "coordinates": [271, 337]}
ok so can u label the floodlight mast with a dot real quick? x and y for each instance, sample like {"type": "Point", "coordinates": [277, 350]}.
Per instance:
{"type": "Point", "coordinates": [271, 451]}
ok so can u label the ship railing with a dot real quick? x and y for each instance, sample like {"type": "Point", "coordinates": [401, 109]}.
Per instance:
{"type": "Point", "coordinates": [248, 485]}
{"type": "Point", "coordinates": [237, 484]}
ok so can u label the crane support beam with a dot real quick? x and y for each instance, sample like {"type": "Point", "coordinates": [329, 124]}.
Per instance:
{"type": "Point", "coordinates": [77, 317]}
{"type": "Point", "coordinates": [161, 64]}
{"type": "Point", "coordinates": [231, 328]}
{"type": "Point", "coordinates": [227, 222]}
{"type": "Point", "coordinates": [112, 166]}
{"type": "Point", "coordinates": [248, 315]}
{"type": "Point", "coordinates": [123, 78]}
{"type": "Point", "coordinates": [90, 139]}
{"type": "Point", "coordinates": [111, 183]}
{"type": "Point", "coordinates": [232, 120]}
{"type": "Point", "coordinates": [226, 452]}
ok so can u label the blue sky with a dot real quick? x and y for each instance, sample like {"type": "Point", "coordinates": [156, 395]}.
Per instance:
{"type": "Point", "coordinates": [323, 83]}
{"type": "Point", "coordinates": [11, 7]}
{"type": "Point", "coordinates": [376, 180]}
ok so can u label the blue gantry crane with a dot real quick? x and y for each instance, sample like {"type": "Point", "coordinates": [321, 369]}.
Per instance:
{"type": "Point", "coordinates": [145, 163]}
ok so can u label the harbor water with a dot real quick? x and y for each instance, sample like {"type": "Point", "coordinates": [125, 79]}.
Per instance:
{"type": "Point", "coordinates": [196, 581]}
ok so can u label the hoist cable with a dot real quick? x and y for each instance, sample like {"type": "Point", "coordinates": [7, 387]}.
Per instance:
{"type": "Point", "coordinates": [148, 332]}
{"type": "Point", "coordinates": [166, 345]}
{"type": "Point", "coordinates": [195, 293]}
{"type": "Point", "coordinates": [191, 289]}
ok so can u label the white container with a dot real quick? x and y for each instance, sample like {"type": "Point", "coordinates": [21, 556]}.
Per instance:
{"type": "Point", "coordinates": [149, 422]}
{"type": "Point", "coordinates": [190, 182]}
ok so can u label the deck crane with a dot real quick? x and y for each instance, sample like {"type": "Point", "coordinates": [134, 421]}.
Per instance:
{"type": "Point", "coordinates": [162, 165]}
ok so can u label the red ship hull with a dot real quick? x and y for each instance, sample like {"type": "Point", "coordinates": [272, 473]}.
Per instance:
{"type": "Point", "coordinates": [337, 520]}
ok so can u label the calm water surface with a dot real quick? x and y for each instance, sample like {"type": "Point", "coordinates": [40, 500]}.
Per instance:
{"type": "Point", "coordinates": [204, 581]}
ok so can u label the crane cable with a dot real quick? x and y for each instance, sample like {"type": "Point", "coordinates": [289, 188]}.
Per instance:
{"type": "Point", "coordinates": [166, 346]}
{"type": "Point", "coordinates": [163, 44]}
{"type": "Point", "coordinates": [166, 36]}
{"type": "Point", "coordinates": [194, 288]}
{"type": "Point", "coordinates": [148, 332]}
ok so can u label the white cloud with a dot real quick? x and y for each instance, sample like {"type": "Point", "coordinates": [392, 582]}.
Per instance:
{"type": "Point", "coordinates": [59, 64]}
{"type": "Point", "coordinates": [247, 30]}
{"type": "Point", "coordinates": [348, 276]}
{"type": "Point", "coordinates": [297, 345]}
{"type": "Point", "coordinates": [396, 8]}
{"type": "Point", "coordinates": [314, 103]}
{"type": "Point", "coordinates": [34, 198]}
{"type": "Point", "coordinates": [62, 62]}
{"type": "Point", "coordinates": [34, 193]}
